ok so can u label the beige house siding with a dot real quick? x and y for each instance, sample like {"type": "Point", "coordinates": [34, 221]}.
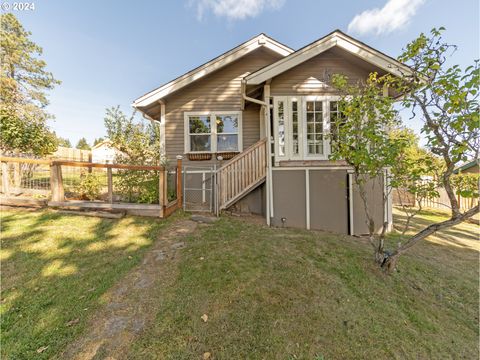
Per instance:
{"type": "Point", "coordinates": [220, 91]}
{"type": "Point", "coordinates": [311, 77]}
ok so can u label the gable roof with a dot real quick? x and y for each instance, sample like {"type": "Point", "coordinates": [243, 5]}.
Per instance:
{"type": "Point", "coordinates": [335, 38]}
{"type": "Point", "coordinates": [217, 63]}
{"type": "Point", "coordinates": [469, 165]}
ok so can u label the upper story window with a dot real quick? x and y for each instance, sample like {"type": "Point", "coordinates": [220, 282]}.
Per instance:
{"type": "Point", "coordinates": [213, 132]}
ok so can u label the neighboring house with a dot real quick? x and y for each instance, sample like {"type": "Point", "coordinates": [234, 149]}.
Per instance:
{"type": "Point", "coordinates": [105, 153]}
{"type": "Point", "coordinates": [220, 116]}
{"type": "Point", "coordinates": [471, 167]}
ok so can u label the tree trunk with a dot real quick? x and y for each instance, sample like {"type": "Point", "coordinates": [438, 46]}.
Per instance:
{"type": "Point", "coordinates": [391, 261]}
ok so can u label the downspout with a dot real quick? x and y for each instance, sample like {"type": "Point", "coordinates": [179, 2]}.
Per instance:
{"type": "Point", "coordinates": [266, 108]}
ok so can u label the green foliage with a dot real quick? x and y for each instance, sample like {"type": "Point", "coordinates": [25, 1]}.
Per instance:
{"type": "Point", "coordinates": [98, 140]}
{"type": "Point", "coordinates": [140, 142]}
{"type": "Point", "coordinates": [415, 170]}
{"type": "Point", "coordinates": [26, 135]}
{"type": "Point", "coordinates": [446, 97]}
{"type": "Point", "coordinates": [138, 186]}
{"type": "Point", "coordinates": [466, 184]}
{"type": "Point", "coordinates": [64, 142]}
{"type": "Point", "coordinates": [90, 186]}
{"type": "Point", "coordinates": [23, 81]}
{"type": "Point", "coordinates": [83, 144]}
{"type": "Point", "coordinates": [362, 139]}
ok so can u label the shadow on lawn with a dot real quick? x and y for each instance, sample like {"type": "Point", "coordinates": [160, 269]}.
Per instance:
{"type": "Point", "coordinates": [55, 269]}
{"type": "Point", "coordinates": [463, 235]}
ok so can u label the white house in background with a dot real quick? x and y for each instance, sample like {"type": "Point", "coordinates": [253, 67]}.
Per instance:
{"type": "Point", "coordinates": [105, 153]}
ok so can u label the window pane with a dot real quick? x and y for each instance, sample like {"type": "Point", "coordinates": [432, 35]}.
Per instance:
{"type": "Point", "coordinates": [318, 106]}
{"type": "Point", "coordinates": [310, 117]}
{"type": "Point", "coordinates": [199, 124]}
{"type": "Point", "coordinates": [200, 143]}
{"type": "Point", "coordinates": [310, 106]}
{"type": "Point", "coordinates": [227, 143]}
{"type": "Point", "coordinates": [281, 129]}
{"type": "Point", "coordinates": [294, 127]}
{"type": "Point", "coordinates": [227, 124]}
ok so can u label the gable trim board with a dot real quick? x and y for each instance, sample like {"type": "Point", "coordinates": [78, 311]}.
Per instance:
{"type": "Point", "coordinates": [336, 38]}
{"type": "Point", "coordinates": [217, 63]}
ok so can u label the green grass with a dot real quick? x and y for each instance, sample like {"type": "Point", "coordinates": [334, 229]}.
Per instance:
{"type": "Point", "coordinates": [268, 293]}
{"type": "Point", "coordinates": [290, 294]}
{"type": "Point", "coordinates": [55, 269]}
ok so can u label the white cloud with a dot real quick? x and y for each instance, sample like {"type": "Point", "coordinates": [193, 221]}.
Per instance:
{"type": "Point", "coordinates": [235, 9]}
{"type": "Point", "coordinates": [394, 15]}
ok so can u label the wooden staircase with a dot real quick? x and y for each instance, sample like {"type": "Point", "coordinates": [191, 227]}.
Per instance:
{"type": "Point", "coordinates": [242, 174]}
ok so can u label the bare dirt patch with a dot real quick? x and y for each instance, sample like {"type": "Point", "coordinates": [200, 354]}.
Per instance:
{"type": "Point", "coordinates": [129, 306]}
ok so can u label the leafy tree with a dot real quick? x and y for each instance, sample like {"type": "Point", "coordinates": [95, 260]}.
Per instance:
{"type": "Point", "coordinates": [140, 143]}
{"type": "Point", "coordinates": [83, 144]}
{"type": "Point", "coordinates": [414, 175]}
{"type": "Point", "coordinates": [23, 82]}
{"type": "Point", "coordinates": [363, 141]}
{"type": "Point", "coordinates": [63, 142]}
{"type": "Point", "coordinates": [98, 140]}
{"type": "Point", "coordinates": [446, 99]}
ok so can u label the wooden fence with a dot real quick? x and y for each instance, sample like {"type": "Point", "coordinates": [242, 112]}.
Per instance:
{"type": "Point", "coordinates": [12, 185]}
{"type": "Point", "coordinates": [442, 202]}
{"type": "Point", "coordinates": [66, 153]}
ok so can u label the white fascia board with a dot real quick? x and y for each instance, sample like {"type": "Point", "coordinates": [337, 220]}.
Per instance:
{"type": "Point", "coordinates": [290, 61]}
{"type": "Point", "coordinates": [212, 66]}
{"type": "Point", "coordinates": [336, 39]}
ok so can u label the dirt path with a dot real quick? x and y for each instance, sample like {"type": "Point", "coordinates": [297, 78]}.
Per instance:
{"type": "Point", "coordinates": [130, 306]}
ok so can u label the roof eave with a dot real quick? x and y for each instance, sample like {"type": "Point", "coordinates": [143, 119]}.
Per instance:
{"type": "Point", "coordinates": [234, 54]}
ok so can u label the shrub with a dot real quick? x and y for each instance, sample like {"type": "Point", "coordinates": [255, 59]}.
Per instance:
{"type": "Point", "coordinates": [90, 186]}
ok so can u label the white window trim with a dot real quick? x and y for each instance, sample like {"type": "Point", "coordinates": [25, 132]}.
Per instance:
{"type": "Point", "coordinates": [213, 130]}
{"type": "Point", "coordinates": [302, 124]}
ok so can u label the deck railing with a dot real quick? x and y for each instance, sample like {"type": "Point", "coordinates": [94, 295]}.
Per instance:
{"type": "Point", "coordinates": [241, 174]}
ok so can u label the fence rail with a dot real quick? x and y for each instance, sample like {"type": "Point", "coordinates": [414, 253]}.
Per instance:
{"type": "Point", "coordinates": [138, 185]}
{"type": "Point", "coordinates": [442, 202]}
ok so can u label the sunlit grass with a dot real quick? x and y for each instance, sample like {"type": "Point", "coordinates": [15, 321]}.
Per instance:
{"type": "Point", "coordinates": [292, 294]}
{"type": "Point", "coordinates": [55, 269]}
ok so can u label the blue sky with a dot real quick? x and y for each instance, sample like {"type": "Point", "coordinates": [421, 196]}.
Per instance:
{"type": "Point", "coordinates": [107, 53]}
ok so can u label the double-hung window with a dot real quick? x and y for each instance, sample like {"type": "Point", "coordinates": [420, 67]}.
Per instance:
{"type": "Point", "coordinates": [212, 132]}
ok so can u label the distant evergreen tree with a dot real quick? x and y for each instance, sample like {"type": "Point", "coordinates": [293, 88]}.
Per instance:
{"type": "Point", "coordinates": [83, 144]}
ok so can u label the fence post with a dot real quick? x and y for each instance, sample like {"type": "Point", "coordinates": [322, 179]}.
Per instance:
{"type": "Point", "coordinates": [161, 187]}
{"type": "Point", "coordinates": [17, 176]}
{"type": "Point", "coordinates": [5, 179]}
{"type": "Point", "coordinates": [179, 182]}
{"type": "Point", "coordinates": [56, 183]}
{"type": "Point", "coordinates": [110, 185]}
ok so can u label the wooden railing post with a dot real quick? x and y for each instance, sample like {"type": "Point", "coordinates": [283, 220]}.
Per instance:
{"type": "Point", "coordinates": [5, 179]}
{"type": "Point", "coordinates": [56, 183]}
{"type": "Point", "coordinates": [110, 185]}
{"type": "Point", "coordinates": [161, 188]}
{"type": "Point", "coordinates": [179, 181]}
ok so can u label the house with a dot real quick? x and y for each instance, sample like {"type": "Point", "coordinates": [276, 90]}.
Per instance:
{"type": "Point", "coordinates": [471, 167]}
{"type": "Point", "coordinates": [252, 127]}
{"type": "Point", "coordinates": [105, 153]}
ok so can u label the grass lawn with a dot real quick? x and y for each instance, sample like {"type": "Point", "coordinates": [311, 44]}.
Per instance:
{"type": "Point", "coordinates": [268, 293]}
{"type": "Point", "coordinates": [55, 269]}
{"type": "Point", "coordinates": [290, 294]}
